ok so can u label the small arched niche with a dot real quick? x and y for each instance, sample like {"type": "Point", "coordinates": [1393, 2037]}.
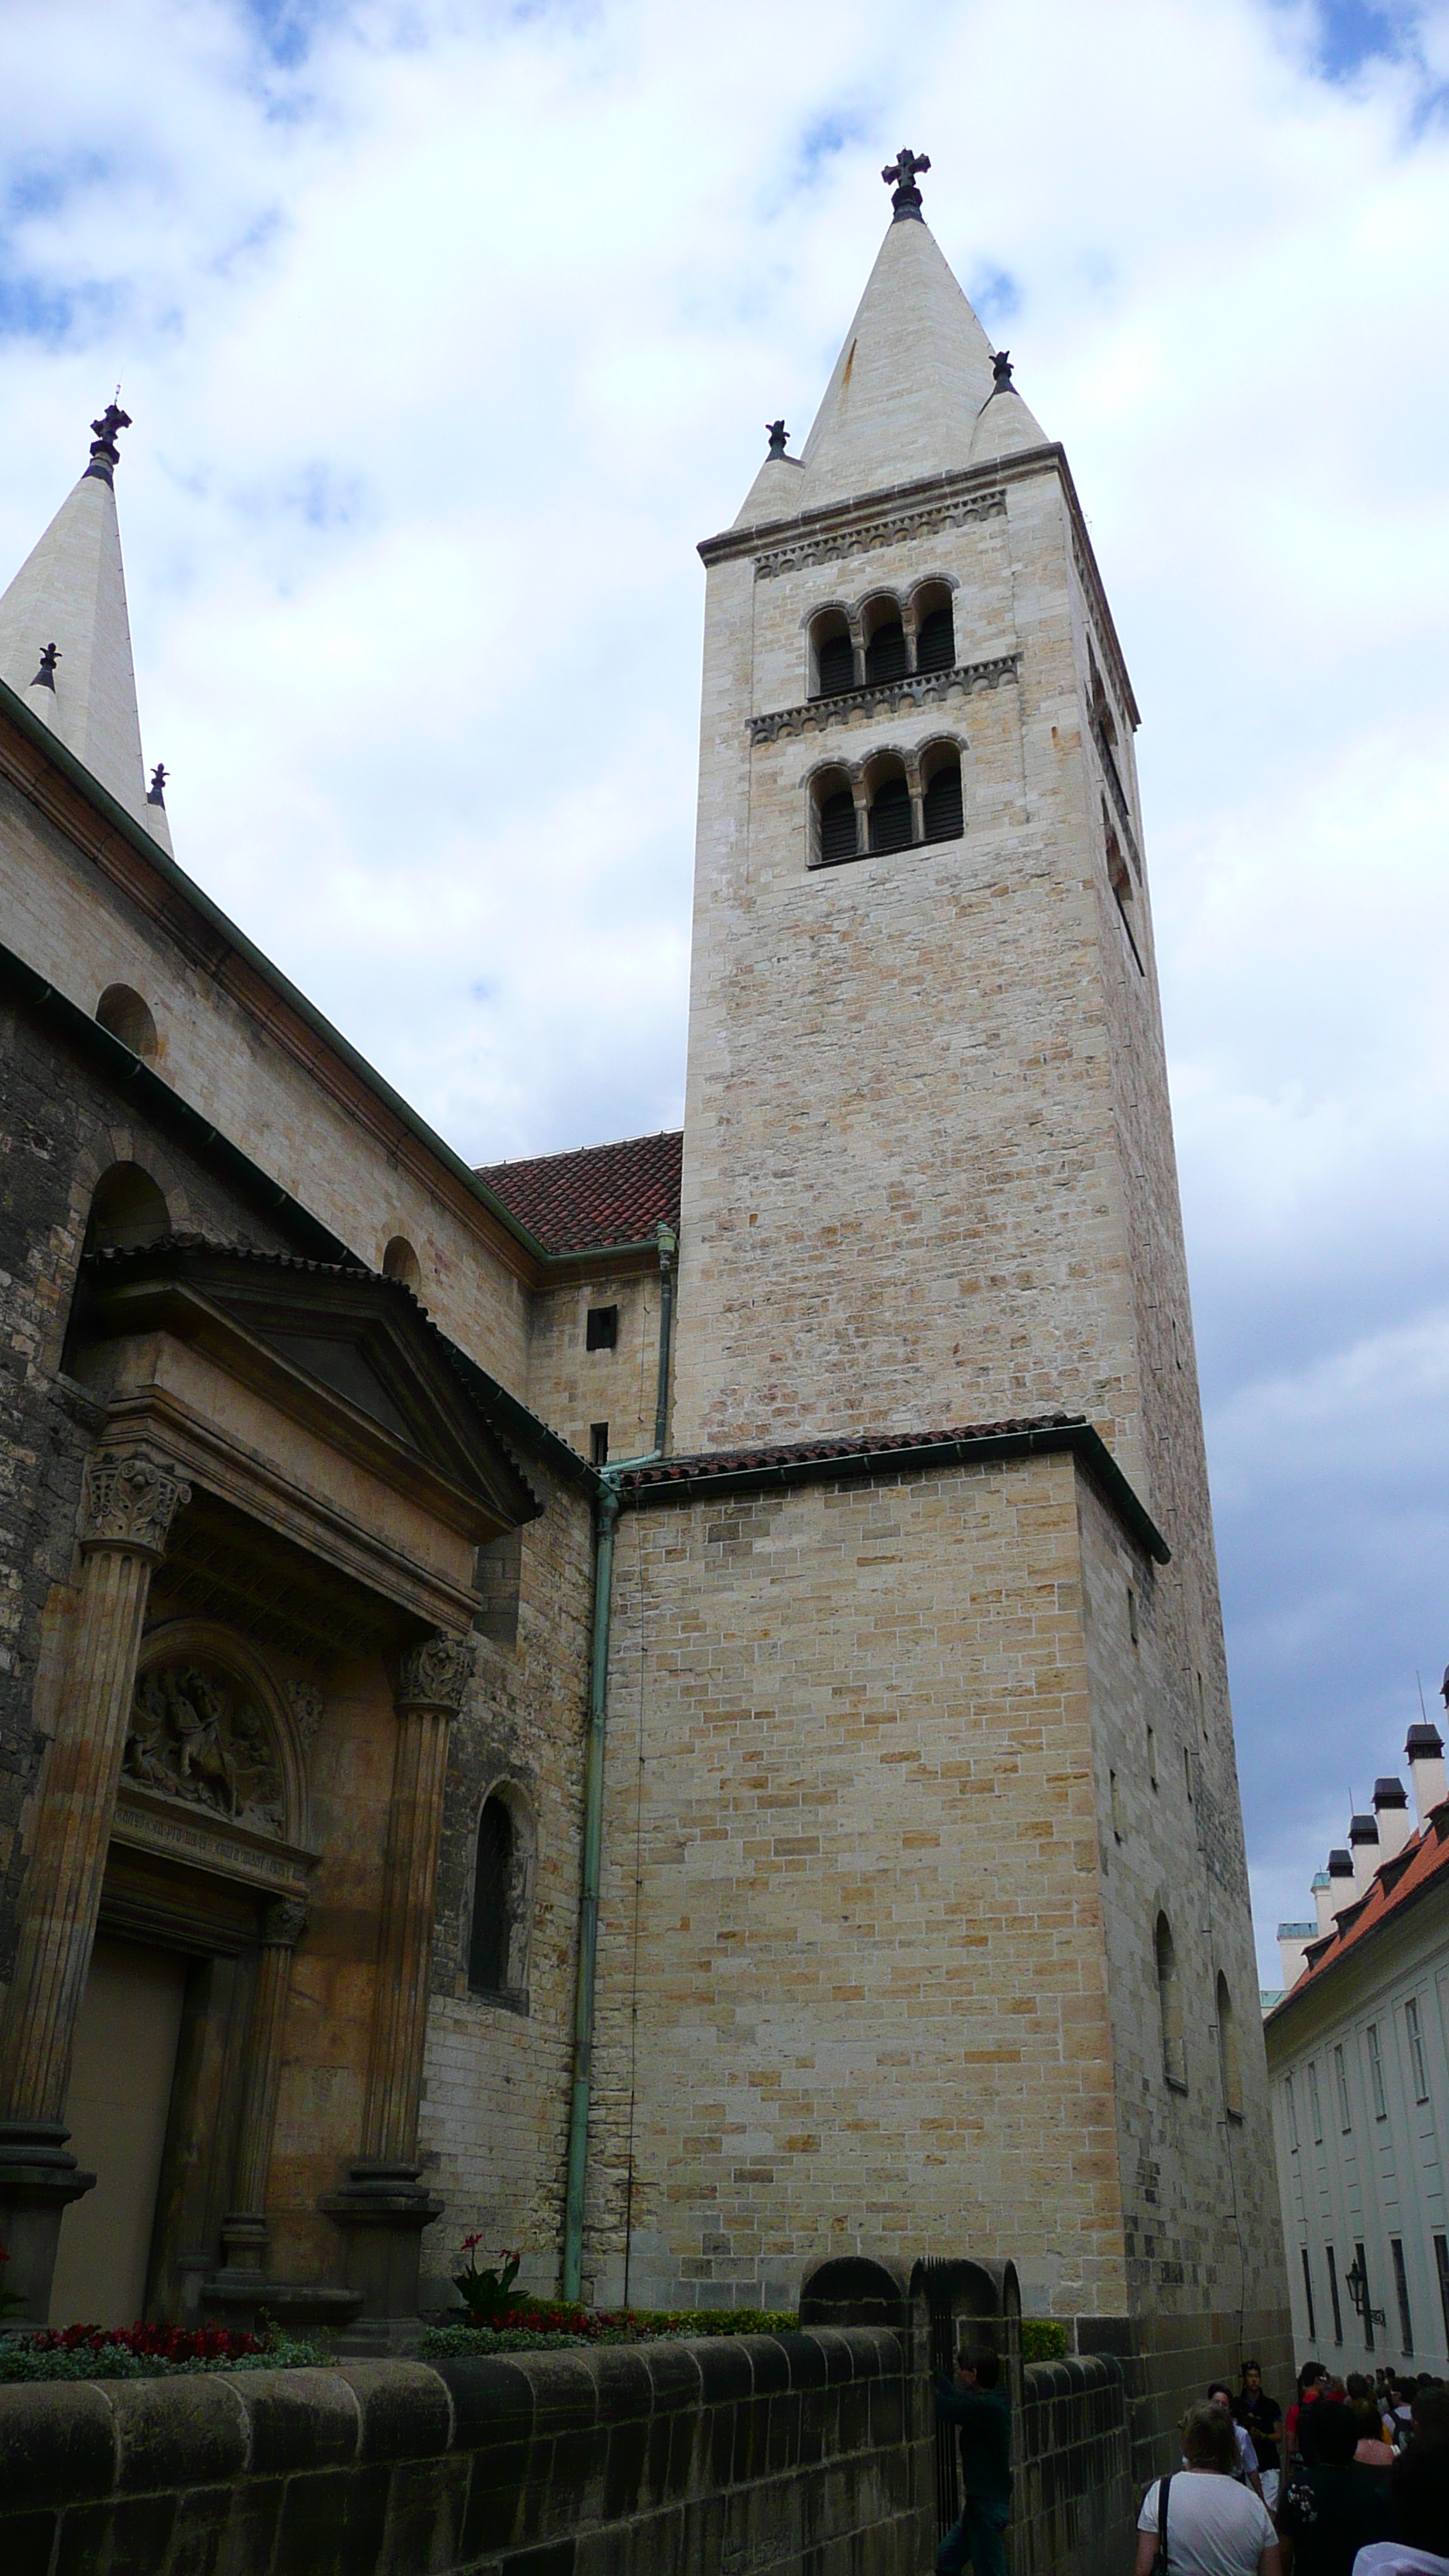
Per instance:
{"type": "Point", "coordinates": [834, 830]}
{"type": "Point", "coordinates": [935, 622]}
{"type": "Point", "coordinates": [1229, 2055]}
{"type": "Point", "coordinates": [498, 1932]}
{"type": "Point", "coordinates": [1169, 2001]}
{"type": "Point", "coordinates": [889, 794]}
{"type": "Point", "coordinates": [123, 1014]}
{"type": "Point", "coordinates": [885, 641]}
{"type": "Point", "coordinates": [400, 1261]}
{"type": "Point", "coordinates": [127, 1209]}
{"type": "Point", "coordinates": [942, 812]}
{"type": "Point", "coordinates": [832, 655]}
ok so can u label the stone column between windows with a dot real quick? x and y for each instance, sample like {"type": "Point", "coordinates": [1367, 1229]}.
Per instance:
{"type": "Point", "coordinates": [131, 1500]}
{"type": "Point", "coordinates": [244, 2229]}
{"type": "Point", "coordinates": [382, 2207]}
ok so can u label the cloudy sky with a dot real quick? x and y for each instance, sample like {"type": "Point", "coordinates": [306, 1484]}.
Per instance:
{"type": "Point", "coordinates": [449, 329]}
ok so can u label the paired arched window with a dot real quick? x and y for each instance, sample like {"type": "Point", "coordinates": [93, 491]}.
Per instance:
{"type": "Point", "coordinates": [125, 1015]}
{"type": "Point", "coordinates": [1169, 2003]}
{"type": "Point", "coordinates": [886, 639]}
{"type": "Point", "coordinates": [893, 801]}
{"type": "Point", "coordinates": [1229, 2056]}
{"type": "Point", "coordinates": [502, 1884]}
{"type": "Point", "coordinates": [127, 1209]}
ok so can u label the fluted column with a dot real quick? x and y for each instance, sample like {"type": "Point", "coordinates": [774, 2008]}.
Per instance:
{"type": "Point", "coordinates": [244, 2229]}
{"type": "Point", "coordinates": [131, 1500]}
{"type": "Point", "coordinates": [383, 2197]}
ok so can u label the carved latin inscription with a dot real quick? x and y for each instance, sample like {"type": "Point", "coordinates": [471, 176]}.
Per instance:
{"type": "Point", "coordinates": [196, 1734]}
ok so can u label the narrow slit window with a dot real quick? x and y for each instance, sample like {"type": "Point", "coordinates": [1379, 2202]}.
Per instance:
{"type": "Point", "coordinates": [890, 815]}
{"type": "Point", "coordinates": [492, 1895]}
{"type": "Point", "coordinates": [1169, 2000]}
{"type": "Point", "coordinates": [1401, 2294]}
{"type": "Point", "coordinates": [1367, 2310]}
{"type": "Point", "coordinates": [1308, 2294]}
{"type": "Point", "coordinates": [1315, 2107]}
{"type": "Point", "coordinates": [1291, 2107]}
{"type": "Point", "coordinates": [598, 1444]}
{"type": "Point", "coordinates": [1340, 2079]}
{"type": "Point", "coordinates": [601, 1332]}
{"type": "Point", "coordinates": [1441, 2271]}
{"type": "Point", "coordinates": [1333, 2293]}
{"type": "Point", "coordinates": [1416, 2050]}
{"type": "Point", "coordinates": [942, 811]}
{"type": "Point", "coordinates": [1376, 2072]}
{"type": "Point", "coordinates": [838, 835]}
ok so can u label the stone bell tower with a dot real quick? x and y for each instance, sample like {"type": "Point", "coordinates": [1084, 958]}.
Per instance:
{"type": "Point", "coordinates": [928, 1173]}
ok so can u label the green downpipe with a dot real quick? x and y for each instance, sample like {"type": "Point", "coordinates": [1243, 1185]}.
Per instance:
{"type": "Point", "coordinates": [607, 1510]}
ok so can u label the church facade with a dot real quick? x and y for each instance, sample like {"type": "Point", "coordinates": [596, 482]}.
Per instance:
{"type": "Point", "coordinates": [665, 1703]}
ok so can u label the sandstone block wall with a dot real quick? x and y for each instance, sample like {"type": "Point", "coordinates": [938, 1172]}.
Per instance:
{"type": "Point", "coordinates": [852, 1977]}
{"type": "Point", "coordinates": [572, 1387]}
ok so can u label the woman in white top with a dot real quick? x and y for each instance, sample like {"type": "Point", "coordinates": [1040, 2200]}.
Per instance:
{"type": "Point", "coordinates": [1215, 2526]}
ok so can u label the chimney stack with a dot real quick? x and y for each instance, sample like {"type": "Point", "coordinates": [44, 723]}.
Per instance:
{"type": "Point", "coordinates": [1363, 1844]}
{"type": "Point", "coordinates": [1323, 1902]}
{"type": "Point", "coordinates": [1291, 1940]}
{"type": "Point", "coordinates": [1424, 1752]}
{"type": "Point", "coordinates": [1391, 1806]}
{"type": "Point", "coordinates": [1342, 1886]}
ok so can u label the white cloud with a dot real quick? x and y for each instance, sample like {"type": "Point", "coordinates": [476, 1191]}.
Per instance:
{"type": "Point", "coordinates": [450, 329]}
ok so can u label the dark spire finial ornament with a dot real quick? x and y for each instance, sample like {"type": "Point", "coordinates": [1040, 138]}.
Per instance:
{"type": "Point", "coordinates": [778, 436]}
{"type": "Point", "coordinates": [901, 178]}
{"type": "Point", "coordinates": [156, 792]}
{"type": "Point", "coordinates": [1001, 371]}
{"type": "Point", "coordinates": [105, 455]}
{"type": "Point", "coordinates": [44, 678]}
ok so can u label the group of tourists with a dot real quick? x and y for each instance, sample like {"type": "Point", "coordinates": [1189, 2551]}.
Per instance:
{"type": "Point", "coordinates": [1353, 2482]}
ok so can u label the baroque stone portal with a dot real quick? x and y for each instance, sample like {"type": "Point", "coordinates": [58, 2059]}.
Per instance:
{"type": "Point", "coordinates": [198, 1734]}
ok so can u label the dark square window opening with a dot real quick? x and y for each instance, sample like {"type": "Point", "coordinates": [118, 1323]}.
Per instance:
{"type": "Point", "coordinates": [601, 1332]}
{"type": "Point", "coordinates": [598, 1444]}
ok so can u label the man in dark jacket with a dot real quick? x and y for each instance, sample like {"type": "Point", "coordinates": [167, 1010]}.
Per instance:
{"type": "Point", "coordinates": [976, 2401]}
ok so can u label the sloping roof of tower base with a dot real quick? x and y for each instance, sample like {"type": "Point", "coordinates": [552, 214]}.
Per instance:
{"type": "Point", "coordinates": [896, 1453]}
{"type": "Point", "coordinates": [596, 1195]}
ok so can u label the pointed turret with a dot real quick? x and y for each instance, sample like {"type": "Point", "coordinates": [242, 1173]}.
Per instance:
{"type": "Point", "coordinates": [917, 388]}
{"type": "Point", "coordinates": [65, 636]}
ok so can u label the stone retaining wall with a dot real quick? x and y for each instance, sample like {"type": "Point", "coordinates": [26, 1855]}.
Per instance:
{"type": "Point", "coordinates": [810, 2453]}
{"type": "Point", "coordinates": [794, 2452]}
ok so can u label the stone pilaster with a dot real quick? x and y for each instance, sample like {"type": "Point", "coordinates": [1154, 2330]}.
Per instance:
{"type": "Point", "coordinates": [244, 2229]}
{"type": "Point", "coordinates": [383, 2207]}
{"type": "Point", "coordinates": [131, 1500]}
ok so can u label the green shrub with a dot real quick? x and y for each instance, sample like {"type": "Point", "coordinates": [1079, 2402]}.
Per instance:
{"type": "Point", "coordinates": [1042, 2339]}
{"type": "Point", "coordinates": [558, 2327]}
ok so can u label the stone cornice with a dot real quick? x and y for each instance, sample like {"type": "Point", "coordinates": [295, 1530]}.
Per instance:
{"type": "Point", "coordinates": [896, 528]}
{"type": "Point", "coordinates": [919, 688]}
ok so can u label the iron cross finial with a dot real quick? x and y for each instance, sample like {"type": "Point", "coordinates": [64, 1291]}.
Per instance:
{"type": "Point", "coordinates": [104, 442]}
{"type": "Point", "coordinates": [901, 178]}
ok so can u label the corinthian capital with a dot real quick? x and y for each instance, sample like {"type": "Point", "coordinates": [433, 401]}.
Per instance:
{"type": "Point", "coordinates": [131, 1502]}
{"type": "Point", "coordinates": [432, 1674]}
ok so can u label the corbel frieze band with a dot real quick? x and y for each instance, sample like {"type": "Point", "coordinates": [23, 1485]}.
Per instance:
{"type": "Point", "coordinates": [130, 1502]}
{"type": "Point", "coordinates": [920, 688]}
{"type": "Point", "coordinates": [889, 531]}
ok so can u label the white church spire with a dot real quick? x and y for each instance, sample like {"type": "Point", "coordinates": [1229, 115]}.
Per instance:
{"type": "Point", "coordinates": [65, 637]}
{"type": "Point", "coordinates": [917, 388]}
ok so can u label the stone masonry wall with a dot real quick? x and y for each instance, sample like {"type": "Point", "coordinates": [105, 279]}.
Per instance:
{"type": "Point", "coordinates": [794, 2455]}
{"type": "Point", "coordinates": [852, 1965]}
{"type": "Point", "coordinates": [496, 2081]}
{"type": "Point", "coordinates": [571, 1387]}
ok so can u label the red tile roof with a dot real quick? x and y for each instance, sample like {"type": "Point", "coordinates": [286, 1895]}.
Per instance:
{"type": "Point", "coordinates": [1395, 1885]}
{"type": "Point", "coordinates": [599, 1194]}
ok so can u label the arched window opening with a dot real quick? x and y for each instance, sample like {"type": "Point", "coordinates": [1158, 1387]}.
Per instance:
{"type": "Point", "coordinates": [1229, 2057]}
{"type": "Point", "coordinates": [890, 811]}
{"type": "Point", "coordinates": [935, 629]}
{"type": "Point", "coordinates": [836, 833]}
{"type": "Point", "coordinates": [833, 656]}
{"type": "Point", "coordinates": [942, 813]}
{"type": "Point", "coordinates": [490, 1943]}
{"type": "Point", "coordinates": [125, 1016]}
{"type": "Point", "coordinates": [885, 651]}
{"type": "Point", "coordinates": [1119, 876]}
{"type": "Point", "coordinates": [401, 1262]}
{"type": "Point", "coordinates": [1169, 1998]}
{"type": "Point", "coordinates": [128, 1209]}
